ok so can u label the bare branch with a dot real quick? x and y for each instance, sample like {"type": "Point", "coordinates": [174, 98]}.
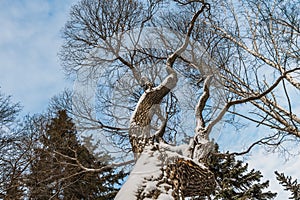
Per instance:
{"type": "Point", "coordinates": [247, 99]}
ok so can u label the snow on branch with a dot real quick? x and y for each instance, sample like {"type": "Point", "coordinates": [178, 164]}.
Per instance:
{"type": "Point", "coordinates": [200, 123]}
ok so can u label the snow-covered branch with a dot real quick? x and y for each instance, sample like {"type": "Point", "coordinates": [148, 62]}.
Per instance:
{"type": "Point", "coordinates": [200, 123]}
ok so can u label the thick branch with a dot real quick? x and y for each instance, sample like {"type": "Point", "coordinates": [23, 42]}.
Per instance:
{"type": "Point", "coordinates": [178, 52]}
{"type": "Point", "coordinates": [200, 123]}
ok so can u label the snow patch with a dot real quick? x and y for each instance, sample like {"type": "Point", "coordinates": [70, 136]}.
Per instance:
{"type": "Point", "coordinates": [181, 149]}
{"type": "Point", "coordinates": [136, 108]}
{"type": "Point", "coordinates": [147, 167]}
{"type": "Point", "coordinates": [165, 197]}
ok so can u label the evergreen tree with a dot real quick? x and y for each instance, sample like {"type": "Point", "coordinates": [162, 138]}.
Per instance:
{"type": "Point", "coordinates": [57, 169]}
{"type": "Point", "coordinates": [289, 185]}
{"type": "Point", "coordinates": [234, 180]}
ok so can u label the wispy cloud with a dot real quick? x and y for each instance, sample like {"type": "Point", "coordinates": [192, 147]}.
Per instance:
{"type": "Point", "coordinates": [268, 163]}
{"type": "Point", "coordinates": [29, 43]}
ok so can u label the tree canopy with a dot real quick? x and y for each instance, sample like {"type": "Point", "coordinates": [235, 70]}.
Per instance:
{"type": "Point", "coordinates": [166, 73]}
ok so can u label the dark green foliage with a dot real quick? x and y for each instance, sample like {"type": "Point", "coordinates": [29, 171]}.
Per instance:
{"type": "Point", "coordinates": [57, 171]}
{"type": "Point", "coordinates": [234, 180]}
{"type": "Point", "coordinates": [289, 185]}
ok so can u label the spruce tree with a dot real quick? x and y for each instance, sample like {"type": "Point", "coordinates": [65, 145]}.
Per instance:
{"type": "Point", "coordinates": [289, 185]}
{"type": "Point", "coordinates": [234, 179]}
{"type": "Point", "coordinates": [56, 172]}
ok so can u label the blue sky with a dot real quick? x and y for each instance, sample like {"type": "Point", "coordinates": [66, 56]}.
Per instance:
{"type": "Point", "coordinates": [30, 39]}
{"type": "Point", "coordinates": [30, 70]}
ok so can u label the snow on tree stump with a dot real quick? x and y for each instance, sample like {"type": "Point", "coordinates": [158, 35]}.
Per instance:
{"type": "Point", "coordinates": [165, 172]}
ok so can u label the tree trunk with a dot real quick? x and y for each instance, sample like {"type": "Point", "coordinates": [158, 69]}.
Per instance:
{"type": "Point", "coordinates": [163, 171]}
{"type": "Point", "coordinates": [149, 103]}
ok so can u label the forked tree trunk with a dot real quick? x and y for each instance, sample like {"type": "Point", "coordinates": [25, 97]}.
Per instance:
{"type": "Point", "coordinates": [163, 171]}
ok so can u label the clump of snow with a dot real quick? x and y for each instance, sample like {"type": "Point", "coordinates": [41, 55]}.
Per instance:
{"type": "Point", "coordinates": [181, 149]}
{"type": "Point", "coordinates": [151, 186]}
{"type": "Point", "coordinates": [165, 197]}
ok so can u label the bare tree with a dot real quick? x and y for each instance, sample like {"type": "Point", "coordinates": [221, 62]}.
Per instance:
{"type": "Point", "coordinates": [16, 156]}
{"type": "Point", "coordinates": [8, 110]}
{"type": "Point", "coordinates": [151, 64]}
{"type": "Point", "coordinates": [15, 150]}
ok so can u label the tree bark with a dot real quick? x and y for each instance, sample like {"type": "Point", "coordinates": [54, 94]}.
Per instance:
{"type": "Point", "coordinates": [139, 130]}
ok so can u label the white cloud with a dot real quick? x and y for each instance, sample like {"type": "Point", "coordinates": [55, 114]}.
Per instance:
{"type": "Point", "coordinates": [268, 163]}
{"type": "Point", "coordinates": [259, 159]}
{"type": "Point", "coordinates": [29, 43]}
